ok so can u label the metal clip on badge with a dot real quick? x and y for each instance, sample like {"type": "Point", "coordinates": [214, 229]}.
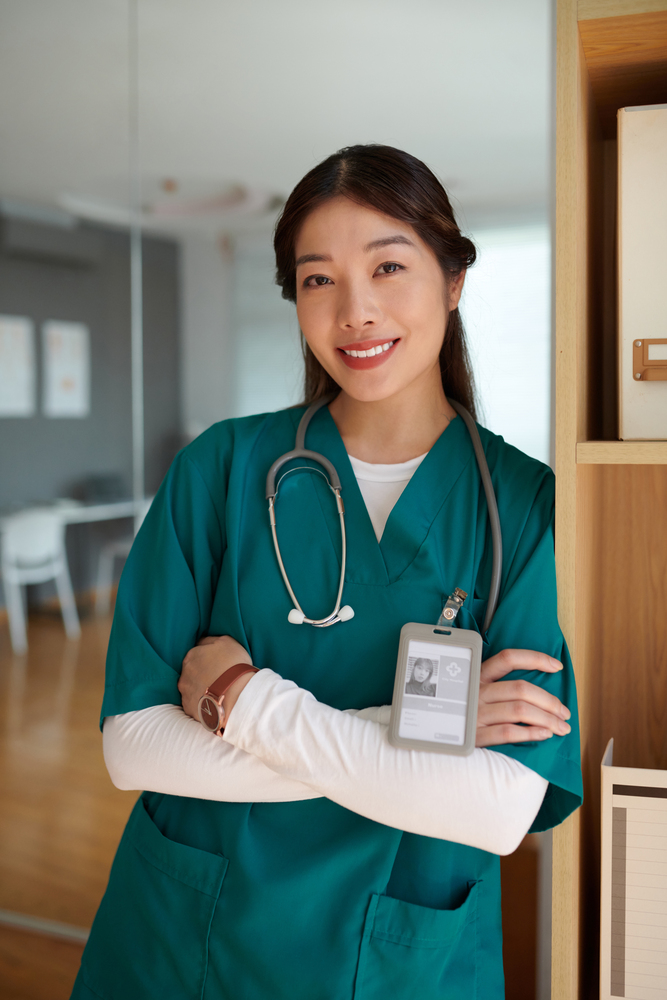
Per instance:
{"type": "Point", "coordinates": [452, 607]}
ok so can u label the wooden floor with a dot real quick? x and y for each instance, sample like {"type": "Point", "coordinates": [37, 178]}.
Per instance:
{"type": "Point", "coordinates": [61, 818]}
{"type": "Point", "coordinates": [36, 968]}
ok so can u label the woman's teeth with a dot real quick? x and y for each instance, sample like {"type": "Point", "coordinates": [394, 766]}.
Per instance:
{"type": "Point", "coordinates": [372, 352]}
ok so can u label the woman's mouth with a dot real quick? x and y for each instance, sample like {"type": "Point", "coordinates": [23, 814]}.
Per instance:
{"type": "Point", "coordinates": [367, 353]}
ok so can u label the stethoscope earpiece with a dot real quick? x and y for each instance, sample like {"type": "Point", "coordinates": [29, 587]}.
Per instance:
{"type": "Point", "coordinates": [296, 617]}
{"type": "Point", "coordinates": [346, 613]}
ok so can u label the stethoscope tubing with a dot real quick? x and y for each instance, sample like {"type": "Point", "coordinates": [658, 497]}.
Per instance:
{"type": "Point", "coordinates": [494, 517]}
{"type": "Point", "coordinates": [333, 617]}
{"type": "Point", "coordinates": [300, 451]}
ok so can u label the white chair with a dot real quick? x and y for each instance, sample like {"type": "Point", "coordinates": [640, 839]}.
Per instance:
{"type": "Point", "coordinates": [33, 551]}
{"type": "Point", "coordinates": [119, 549]}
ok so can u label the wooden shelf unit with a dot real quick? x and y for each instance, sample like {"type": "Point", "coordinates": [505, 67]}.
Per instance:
{"type": "Point", "coordinates": [622, 453]}
{"type": "Point", "coordinates": [611, 496]}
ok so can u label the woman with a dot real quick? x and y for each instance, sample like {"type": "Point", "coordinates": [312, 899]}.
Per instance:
{"type": "Point", "coordinates": [420, 681]}
{"type": "Point", "coordinates": [302, 856]}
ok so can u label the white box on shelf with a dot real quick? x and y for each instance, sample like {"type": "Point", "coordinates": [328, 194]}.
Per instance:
{"type": "Point", "coordinates": [633, 925]}
{"type": "Point", "coordinates": [642, 272]}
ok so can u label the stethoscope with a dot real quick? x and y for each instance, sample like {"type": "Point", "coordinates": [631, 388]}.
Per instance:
{"type": "Point", "coordinates": [297, 615]}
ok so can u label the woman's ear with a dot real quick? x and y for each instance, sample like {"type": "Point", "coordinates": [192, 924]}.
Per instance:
{"type": "Point", "coordinates": [454, 289]}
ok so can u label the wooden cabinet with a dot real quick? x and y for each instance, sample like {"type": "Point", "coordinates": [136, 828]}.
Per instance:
{"type": "Point", "coordinates": [611, 529]}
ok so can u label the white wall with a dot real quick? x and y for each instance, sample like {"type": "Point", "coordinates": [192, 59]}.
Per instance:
{"type": "Point", "coordinates": [207, 344]}
{"type": "Point", "coordinates": [268, 364]}
{"type": "Point", "coordinates": [507, 314]}
{"type": "Point", "coordinates": [241, 350]}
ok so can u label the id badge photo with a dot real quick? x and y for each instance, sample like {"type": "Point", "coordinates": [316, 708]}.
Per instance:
{"type": "Point", "coordinates": [436, 690]}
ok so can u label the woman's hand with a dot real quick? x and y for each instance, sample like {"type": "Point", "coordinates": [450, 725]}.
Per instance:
{"type": "Point", "coordinates": [202, 665]}
{"type": "Point", "coordinates": [503, 706]}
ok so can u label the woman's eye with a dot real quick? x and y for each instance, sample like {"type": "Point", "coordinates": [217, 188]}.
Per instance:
{"type": "Point", "coordinates": [315, 280]}
{"type": "Point", "coordinates": [389, 268]}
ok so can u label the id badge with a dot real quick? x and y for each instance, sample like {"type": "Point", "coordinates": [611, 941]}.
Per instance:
{"type": "Point", "coordinates": [436, 690]}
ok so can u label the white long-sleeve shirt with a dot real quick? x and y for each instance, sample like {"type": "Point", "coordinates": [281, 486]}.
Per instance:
{"type": "Point", "coordinates": [281, 745]}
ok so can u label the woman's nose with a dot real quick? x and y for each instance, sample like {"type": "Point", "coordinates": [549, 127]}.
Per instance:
{"type": "Point", "coordinates": [357, 309]}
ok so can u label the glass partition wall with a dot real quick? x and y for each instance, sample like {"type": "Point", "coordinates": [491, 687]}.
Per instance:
{"type": "Point", "coordinates": [144, 158]}
{"type": "Point", "coordinates": [77, 321]}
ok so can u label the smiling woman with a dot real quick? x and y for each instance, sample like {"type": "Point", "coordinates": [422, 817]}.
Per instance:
{"type": "Point", "coordinates": [289, 850]}
{"type": "Point", "coordinates": [374, 324]}
{"type": "Point", "coordinates": [396, 308]}
{"type": "Point", "coordinates": [405, 208]}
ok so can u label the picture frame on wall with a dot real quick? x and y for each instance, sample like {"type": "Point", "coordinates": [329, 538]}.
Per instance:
{"type": "Point", "coordinates": [17, 367]}
{"type": "Point", "coordinates": [66, 359]}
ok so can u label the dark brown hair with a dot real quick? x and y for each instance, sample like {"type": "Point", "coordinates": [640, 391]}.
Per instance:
{"type": "Point", "coordinates": [401, 186]}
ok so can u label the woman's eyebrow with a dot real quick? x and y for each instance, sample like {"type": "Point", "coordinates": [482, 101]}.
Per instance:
{"type": "Point", "coordinates": [384, 241]}
{"type": "Point", "coordinates": [387, 241]}
{"type": "Point", "coordinates": [310, 258]}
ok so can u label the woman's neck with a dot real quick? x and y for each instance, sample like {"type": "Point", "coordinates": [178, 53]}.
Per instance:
{"type": "Point", "coordinates": [388, 431]}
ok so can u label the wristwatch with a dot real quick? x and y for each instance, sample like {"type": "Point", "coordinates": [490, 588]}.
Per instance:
{"type": "Point", "coordinates": [210, 710]}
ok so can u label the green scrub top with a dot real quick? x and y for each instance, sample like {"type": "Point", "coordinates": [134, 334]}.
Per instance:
{"type": "Point", "coordinates": [307, 900]}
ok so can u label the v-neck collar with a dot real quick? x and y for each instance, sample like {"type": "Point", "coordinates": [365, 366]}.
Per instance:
{"type": "Point", "coordinates": [376, 563]}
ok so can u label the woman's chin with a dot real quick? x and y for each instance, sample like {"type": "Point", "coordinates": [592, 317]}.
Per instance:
{"type": "Point", "coordinates": [392, 381]}
{"type": "Point", "coordinates": [362, 387]}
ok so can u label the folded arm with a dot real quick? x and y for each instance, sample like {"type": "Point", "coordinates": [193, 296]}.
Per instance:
{"type": "Point", "coordinates": [161, 749]}
{"type": "Point", "coordinates": [485, 800]}
{"type": "Point", "coordinates": [281, 745]}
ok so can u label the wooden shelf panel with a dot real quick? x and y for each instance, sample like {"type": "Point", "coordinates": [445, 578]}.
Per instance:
{"type": "Point", "coordinates": [622, 453]}
{"type": "Point", "coordinates": [626, 58]}
{"type": "Point", "coordinates": [587, 9]}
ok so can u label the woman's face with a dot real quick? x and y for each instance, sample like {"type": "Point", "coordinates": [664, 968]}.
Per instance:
{"type": "Point", "coordinates": [368, 283]}
{"type": "Point", "coordinates": [420, 673]}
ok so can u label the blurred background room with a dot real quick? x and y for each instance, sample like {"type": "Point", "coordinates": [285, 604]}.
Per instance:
{"type": "Point", "coordinates": [146, 148]}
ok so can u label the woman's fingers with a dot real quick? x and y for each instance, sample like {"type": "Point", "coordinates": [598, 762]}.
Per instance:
{"type": "Point", "coordinates": [515, 713]}
{"type": "Point", "coordinates": [523, 691]}
{"type": "Point", "coordinates": [518, 712]}
{"type": "Point", "coordinates": [508, 660]}
{"type": "Point", "coordinates": [495, 736]}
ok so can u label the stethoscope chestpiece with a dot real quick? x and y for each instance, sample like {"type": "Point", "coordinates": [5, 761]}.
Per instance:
{"type": "Point", "coordinates": [297, 617]}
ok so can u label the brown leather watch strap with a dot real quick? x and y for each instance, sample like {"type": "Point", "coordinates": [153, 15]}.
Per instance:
{"type": "Point", "coordinates": [226, 679]}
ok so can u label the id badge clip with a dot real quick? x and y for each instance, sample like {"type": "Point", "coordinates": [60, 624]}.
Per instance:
{"type": "Point", "coordinates": [436, 690]}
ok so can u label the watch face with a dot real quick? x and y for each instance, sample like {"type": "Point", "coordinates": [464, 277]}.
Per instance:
{"type": "Point", "coordinates": [209, 713]}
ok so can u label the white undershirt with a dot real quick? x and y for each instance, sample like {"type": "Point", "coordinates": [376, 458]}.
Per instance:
{"type": "Point", "coordinates": [281, 745]}
{"type": "Point", "coordinates": [382, 485]}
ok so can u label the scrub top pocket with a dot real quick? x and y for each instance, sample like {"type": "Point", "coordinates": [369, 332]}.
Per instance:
{"type": "Point", "coordinates": [411, 951]}
{"type": "Point", "coordinates": [150, 936]}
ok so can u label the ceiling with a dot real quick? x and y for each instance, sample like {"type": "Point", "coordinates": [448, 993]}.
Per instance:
{"type": "Point", "coordinates": [257, 91]}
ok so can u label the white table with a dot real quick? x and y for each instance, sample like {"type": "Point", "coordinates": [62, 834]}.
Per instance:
{"type": "Point", "coordinates": [77, 512]}
{"type": "Point", "coordinates": [73, 512]}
